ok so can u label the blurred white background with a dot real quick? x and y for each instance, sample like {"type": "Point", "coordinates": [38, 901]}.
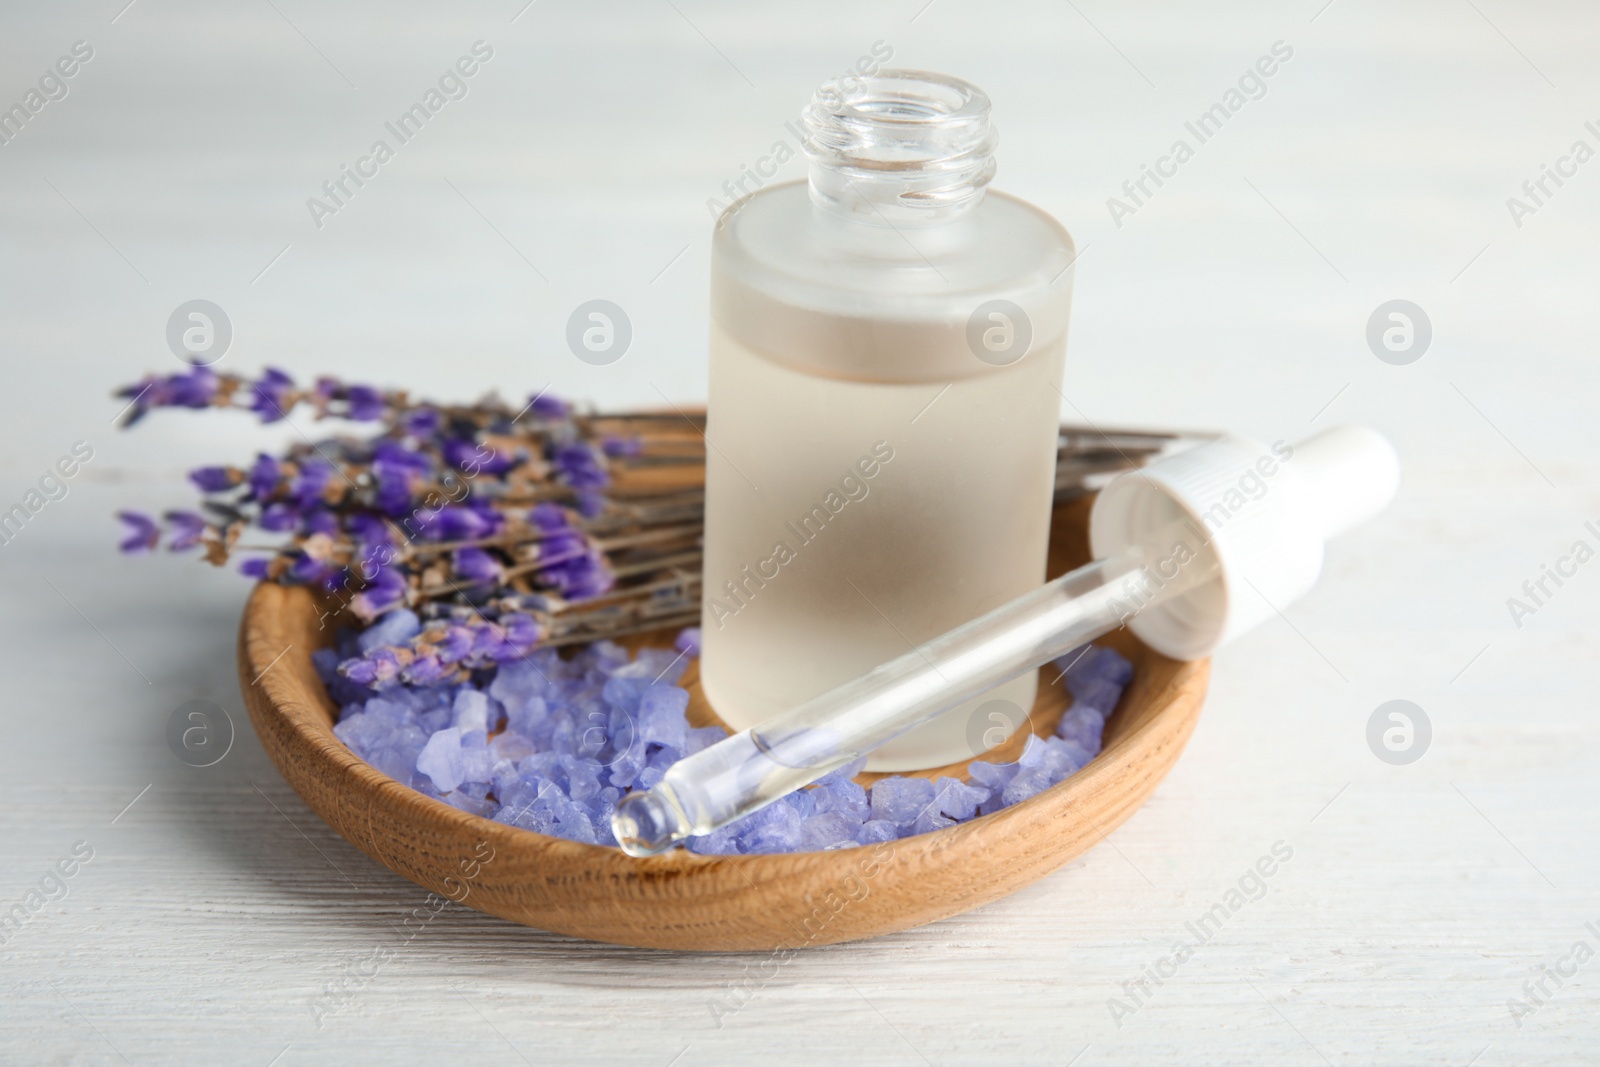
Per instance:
{"type": "Point", "coordinates": [1377, 166]}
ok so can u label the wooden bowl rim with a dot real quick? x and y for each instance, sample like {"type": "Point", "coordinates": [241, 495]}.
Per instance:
{"type": "Point", "coordinates": [283, 691]}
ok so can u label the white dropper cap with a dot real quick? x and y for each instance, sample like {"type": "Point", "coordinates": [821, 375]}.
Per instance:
{"type": "Point", "coordinates": [1263, 512]}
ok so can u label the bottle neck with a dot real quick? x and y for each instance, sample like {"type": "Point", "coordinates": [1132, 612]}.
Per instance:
{"type": "Point", "coordinates": [903, 148]}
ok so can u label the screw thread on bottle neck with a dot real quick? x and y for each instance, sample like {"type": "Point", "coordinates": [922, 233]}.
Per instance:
{"type": "Point", "coordinates": [899, 148]}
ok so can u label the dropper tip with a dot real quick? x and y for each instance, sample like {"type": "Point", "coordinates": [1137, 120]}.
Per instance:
{"type": "Point", "coordinates": [646, 824]}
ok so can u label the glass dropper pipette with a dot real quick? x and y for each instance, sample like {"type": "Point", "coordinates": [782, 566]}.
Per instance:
{"type": "Point", "coordinates": [749, 770]}
{"type": "Point", "coordinates": [1180, 574]}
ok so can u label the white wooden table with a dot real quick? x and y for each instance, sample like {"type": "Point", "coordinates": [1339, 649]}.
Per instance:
{"type": "Point", "coordinates": [1419, 899]}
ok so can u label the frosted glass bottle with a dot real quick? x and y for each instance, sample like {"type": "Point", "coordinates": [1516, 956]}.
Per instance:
{"type": "Point", "coordinates": [886, 354]}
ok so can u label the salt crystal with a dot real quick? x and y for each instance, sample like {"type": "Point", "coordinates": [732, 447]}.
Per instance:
{"type": "Point", "coordinates": [844, 797]}
{"type": "Point", "coordinates": [607, 657]}
{"type": "Point", "coordinates": [723, 842]}
{"type": "Point", "coordinates": [992, 776]}
{"type": "Point", "coordinates": [362, 732]}
{"type": "Point", "coordinates": [511, 746]}
{"type": "Point", "coordinates": [1024, 786]}
{"type": "Point", "coordinates": [929, 821]}
{"type": "Point", "coordinates": [435, 719]}
{"type": "Point", "coordinates": [1083, 724]}
{"type": "Point", "coordinates": [624, 693]}
{"type": "Point", "coordinates": [804, 803]}
{"type": "Point", "coordinates": [661, 718]}
{"type": "Point", "coordinates": [395, 628]}
{"type": "Point", "coordinates": [625, 769]}
{"type": "Point", "coordinates": [1094, 663]}
{"type": "Point", "coordinates": [477, 763]}
{"type": "Point", "coordinates": [528, 717]}
{"type": "Point", "coordinates": [957, 799]}
{"type": "Point", "coordinates": [441, 760]}
{"type": "Point", "coordinates": [1060, 759]}
{"type": "Point", "coordinates": [1079, 754]}
{"type": "Point", "coordinates": [471, 712]}
{"type": "Point", "coordinates": [828, 830]}
{"type": "Point", "coordinates": [704, 737]}
{"type": "Point", "coordinates": [900, 800]}
{"type": "Point", "coordinates": [876, 831]}
{"type": "Point", "coordinates": [779, 835]}
{"type": "Point", "coordinates": [845, 773]}
{"type": "Point", "coordinates": [1098, 693]}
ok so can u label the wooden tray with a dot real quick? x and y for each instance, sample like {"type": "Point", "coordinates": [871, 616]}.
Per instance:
{"type": "Point", "coordinates": [685, 901]}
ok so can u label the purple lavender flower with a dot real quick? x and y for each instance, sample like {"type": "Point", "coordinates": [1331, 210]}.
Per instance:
{"type": "Point", "coordinates": [375, 541]}
{"type": "Point", "coordinates": [580, 466]}
{"type": "Point", "coordinates": [422, 422]}
{"type": "Point", "coordinates": [561, 546]}
{"type": "Point", "coordinates": [468, 455]}
{"type": "Point", "coordinates": [477, 566]}
{"type": "Point", "coordinates": [196, 389]}
{"type": "Point", "coordinates": [398, 471]}
{"type": "Point", "coordinates": [270, 397]}
{"type": "Point", "coordinates": [549, 407]}
{"type": "Point", "coordinates": [378, 669]}
{"type": "Point", "coordinates": [188, 529]}
{"type": "Point", "coordinates": [143, 533]}
{"type": "Point", "coordinates": [215, 479]}
{"type": "Point", "coordinates": [426, 669]}
{"type": "Point", "coordinates": [366, 403]}
{"type": "Point", "coordinates": [255, 568]}
{"type": "Point", "coordinates": [614, 445]}
{"type": "Point", "coordinates": [320, 521]}
{"type": "Point", "coordinates": [394, 491]}
{"type": "Point", "coordinates": [485, 510]}
{"type": "Point", "coordinates": [580, 578]}
{"type": "Point", "coordinates": [311, 481]}
{"type": "Point", "coordinates": [498, 462]}
{"type": "Point", "coordinates": [309, 570]}
{"type": "Point", "coordinates": [456, 523]}
{"type": "Point", "coordinates": [456, 644]}
{"type": "Point", "coordinates": [263, 477]}
{"type": "Point", "coordinates": [280, 517]}
{"type": "Point", "coordinates": [386, 589]}
{"type": "Point", "coordinates": [547, 517]}
{"type": "Point", "coordinates": [510, 637]}
{"type": "Point", "coordinates": [391, 453]}
{"type": "Point", "coordinates": [369, 528]}
{"type": "Point", "coordinates": [143, 395]}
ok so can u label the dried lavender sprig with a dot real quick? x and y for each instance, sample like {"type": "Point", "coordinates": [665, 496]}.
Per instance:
{"type": "Point", "coordinates": [575, 526]}
{"type": "Point", "coordinates": [445, 502]}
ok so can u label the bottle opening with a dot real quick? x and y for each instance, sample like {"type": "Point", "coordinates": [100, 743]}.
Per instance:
{"type": "Point", "coordinates": [902, 146]}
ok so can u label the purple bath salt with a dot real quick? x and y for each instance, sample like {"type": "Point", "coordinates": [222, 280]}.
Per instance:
{"type": "Point", "coordinates": [901, 800]}
{"type": "Point", "coordinates": [395, 628]}
{"type": "Point", "coordinates": [550, 744]}
{"type": "Point", "coordinates": [775, 828]}
{"type": "Point", "coordinates": [441, 759]}
{"type": "Point", "coordinates": [470, 714]}
{"type": "Point", "coordinates": [958, 800]}
{"type": "Point", "coordinates": [1083, 725]}
{"type": "Point", "coordinates": [828, 830]}
{"type": "Point", "coordinates": [844, 797]}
